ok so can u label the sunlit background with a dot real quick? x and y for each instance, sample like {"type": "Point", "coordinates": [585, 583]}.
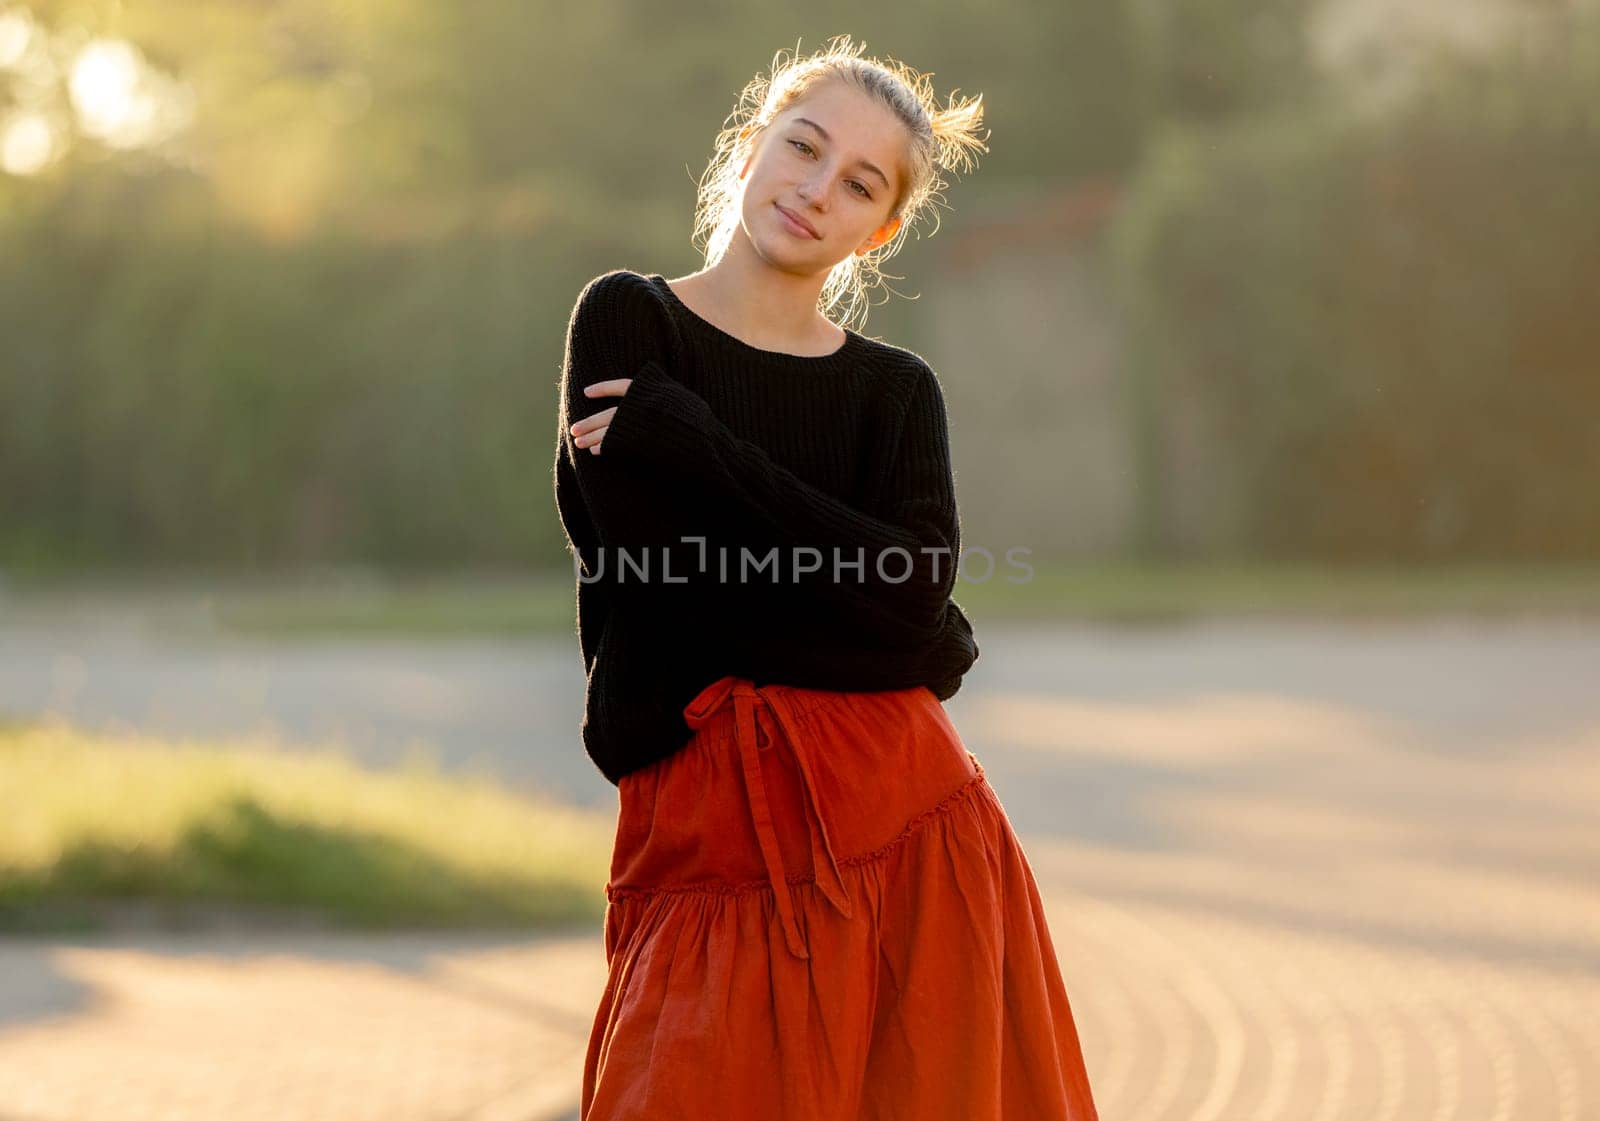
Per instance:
{"type": "Point", "coordinates": [1270, 327]}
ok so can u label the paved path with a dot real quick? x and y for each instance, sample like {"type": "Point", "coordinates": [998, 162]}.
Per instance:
{"type": "Point", "coordinates": [1301, 872]}
{"type": "Point", "coordinates": [280, 1028]}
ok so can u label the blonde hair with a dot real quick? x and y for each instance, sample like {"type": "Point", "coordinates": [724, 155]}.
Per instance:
{"type": "Point", "coordinates": [938, 139]}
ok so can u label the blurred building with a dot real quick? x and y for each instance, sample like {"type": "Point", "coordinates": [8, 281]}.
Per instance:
{"type": "Point", "coordinates": [1045, 430]}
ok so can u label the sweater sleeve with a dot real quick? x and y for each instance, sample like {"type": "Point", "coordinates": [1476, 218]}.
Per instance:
{"type": "Point", "coordinates": [896, 569]}
{"type": "Point", "coordinates": [611, 330]}
{"type": "Point", "coordinates": [619, 521]}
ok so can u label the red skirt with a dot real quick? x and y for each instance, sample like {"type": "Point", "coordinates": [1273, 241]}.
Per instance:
{"type": "Point", "coordinates": [818, 909]}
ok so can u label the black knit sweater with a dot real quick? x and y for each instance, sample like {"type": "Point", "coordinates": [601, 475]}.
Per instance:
{"type": "Point", "coordinates": [775, 516]}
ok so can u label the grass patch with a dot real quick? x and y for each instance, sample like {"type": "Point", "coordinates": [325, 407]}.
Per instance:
{"type": "Point", "coordinates": [89, 820]}
{"type": "Point", "coordinates": [1055, 591]}
{"type": "Point", "coordinates": [542, 604]}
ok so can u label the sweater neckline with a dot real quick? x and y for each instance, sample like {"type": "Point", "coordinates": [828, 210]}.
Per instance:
{"type": "Point", "coordinates": [841, 359]}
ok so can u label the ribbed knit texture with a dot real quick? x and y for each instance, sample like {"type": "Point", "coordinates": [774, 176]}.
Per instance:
{"type": "Point", "coordinates": [763, 455]}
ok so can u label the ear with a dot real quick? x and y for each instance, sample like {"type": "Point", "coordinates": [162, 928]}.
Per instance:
{"type": "Point", "coordinates": [880, 235]}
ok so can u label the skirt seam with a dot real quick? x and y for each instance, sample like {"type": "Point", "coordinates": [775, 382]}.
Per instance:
{"type": "Point", "coordinates": [945, 805]}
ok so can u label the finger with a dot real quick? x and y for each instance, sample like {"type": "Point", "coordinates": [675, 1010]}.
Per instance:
{"type": "Point", "coordinates": [616, 387]}
{"type": "Point", "coordinates": [596, 420]}
{"type": "Point", "coordinates": [589, 438]}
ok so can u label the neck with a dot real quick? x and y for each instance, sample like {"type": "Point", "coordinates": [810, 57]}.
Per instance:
{"type": "Point", "coordinates": [758, 301]}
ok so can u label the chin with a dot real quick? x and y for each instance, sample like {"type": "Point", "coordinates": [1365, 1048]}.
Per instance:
{"type": "Point", "coordinates": [788, 253]}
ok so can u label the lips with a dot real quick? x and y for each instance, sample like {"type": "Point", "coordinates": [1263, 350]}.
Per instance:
{"type": "Point", "coordinates": [799, 221]}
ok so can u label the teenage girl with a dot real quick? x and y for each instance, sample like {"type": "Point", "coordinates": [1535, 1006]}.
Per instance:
{"type": "Point", "coordinates": [817, 906]}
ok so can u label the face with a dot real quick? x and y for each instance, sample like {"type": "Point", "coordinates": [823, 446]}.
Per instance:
{"type": "Point", "coordinates": [816, 160]}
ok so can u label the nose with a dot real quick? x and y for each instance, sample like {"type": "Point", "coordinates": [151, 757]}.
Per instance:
{"type": "Point", "coordinates": [810, 190]}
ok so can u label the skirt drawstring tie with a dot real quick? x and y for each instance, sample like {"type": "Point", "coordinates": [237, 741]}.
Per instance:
{"type": "Point", "coordinates": [746, 697]}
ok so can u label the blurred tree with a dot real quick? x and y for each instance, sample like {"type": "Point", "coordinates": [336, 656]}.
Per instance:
{"type": "Point", "coordinates": [323, 319]}
{"type": "Point", "coordinates": [1216, 59]}
{"type": "Point", "coordinates": [1383, 315]}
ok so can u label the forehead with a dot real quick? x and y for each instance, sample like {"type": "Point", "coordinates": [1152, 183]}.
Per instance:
{"type": "Point", "coordinates": [849, 115]}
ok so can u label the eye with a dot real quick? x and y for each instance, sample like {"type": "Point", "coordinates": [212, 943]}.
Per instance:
{"type": "Point", "coordinates": [861, 188]}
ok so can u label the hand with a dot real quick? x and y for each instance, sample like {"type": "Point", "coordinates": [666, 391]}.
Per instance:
{"type": "Point", "coordinates": [591, 430]}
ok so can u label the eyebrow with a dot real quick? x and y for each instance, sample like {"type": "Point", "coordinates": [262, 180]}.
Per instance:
{"type": "Point", "coordinates": [859, 163]}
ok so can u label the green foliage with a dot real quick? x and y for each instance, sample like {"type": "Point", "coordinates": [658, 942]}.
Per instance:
{"type": "Point", "coordinates": [1385, 314]}
{"type": "Point", "coordinates": [324, 323]}
{"type": "Point", "coordinates": [1216, 60]}
{"type": "Point", "coordinates": [228, 403]}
